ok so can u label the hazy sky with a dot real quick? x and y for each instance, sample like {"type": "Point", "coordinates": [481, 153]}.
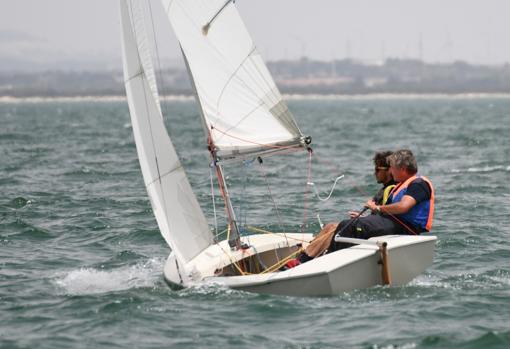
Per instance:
{"type": "Point", "coordinates": [67, 33]}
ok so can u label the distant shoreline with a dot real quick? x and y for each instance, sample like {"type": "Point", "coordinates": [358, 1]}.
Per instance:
{"type": "Point", "coordinates": [186, 98]}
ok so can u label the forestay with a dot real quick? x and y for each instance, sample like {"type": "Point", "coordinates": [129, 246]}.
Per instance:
{"type": "Point", "coordinates": [243, 110]}
{"type": "Point", "coordinates": [179, 216]}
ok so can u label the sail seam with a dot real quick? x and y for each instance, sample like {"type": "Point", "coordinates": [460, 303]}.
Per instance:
{"type": "Point", "coordinates": [234, 73]}
{"type": "Point", "coordinates": [161, 176]}
{"type": "Point", "coordinates": [274, 92]}
{"type": "Point", "coordinates": [140, 73]}
{"type": "Point", "coordinates": [242, 119]}
{"type": "Point", "coordinates": [268, 83]}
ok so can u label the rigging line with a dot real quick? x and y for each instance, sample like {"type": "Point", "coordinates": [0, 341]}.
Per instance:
{"type": "Point", "coordinates": [339, 170]}
{"type": "Point", "coordinates": [216, 241]}
{"type": "Point", "coordinates": [283, 152]}
{"type": "Point", "coordinates": [263, 170]}
{"type": "Point", "coordinates": [332, 189]}
{"type": "Point", "coordinates": [205, 28]}
{"type": "Point", "coordinates": [400, 222]}
{"type": "Point", "coordinates": [274, 146]}
{"type": "Point", "coordinates": [305, 208]}
{"type": "Point", "coordinates": [213, 201]}
{"type": "Point", "coordinates": [243, 212]}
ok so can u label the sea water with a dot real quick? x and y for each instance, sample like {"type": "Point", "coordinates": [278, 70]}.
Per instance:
{"type": "Point", "coordinates": [81, 255]}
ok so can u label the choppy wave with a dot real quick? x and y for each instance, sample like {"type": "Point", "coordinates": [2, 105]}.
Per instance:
{"type": "Point", "coordinates": [410, 345]}
{"type": "Point", "coordinates": [481, 169]}
{"type": "Point", "coordinates": [77, 232]}
{"type": "Point", "coordinates": [494, 279]}
{"type": "Point", "coordinates": [490, 339]}
{"type": "Point", "coordinates": [93, 281]}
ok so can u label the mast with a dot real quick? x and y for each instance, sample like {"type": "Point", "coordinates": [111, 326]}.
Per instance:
{"type": "Point", "coordinates": [234, 240]}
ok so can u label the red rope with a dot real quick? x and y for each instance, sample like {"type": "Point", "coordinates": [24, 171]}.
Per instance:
{"type": "Point", "coordinates": [402, 224]}
{"type": "Point", "coordinates": [309, 179]}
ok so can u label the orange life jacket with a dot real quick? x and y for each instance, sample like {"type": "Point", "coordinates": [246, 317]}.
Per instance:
{"type": "Point", "coordinates": [421, 214]}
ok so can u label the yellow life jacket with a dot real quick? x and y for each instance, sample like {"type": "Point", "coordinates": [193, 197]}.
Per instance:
{"type": "Point", "coordinates": [386, 193]}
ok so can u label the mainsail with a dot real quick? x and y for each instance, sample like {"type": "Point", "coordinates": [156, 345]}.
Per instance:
{"type": "Point", "coordinates": [179, 216]}
{"type": "Point", "coordinates": [243, 111]}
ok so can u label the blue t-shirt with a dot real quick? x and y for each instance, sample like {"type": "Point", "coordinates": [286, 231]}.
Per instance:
{"type": "Point", "coordinates": [419, 190]}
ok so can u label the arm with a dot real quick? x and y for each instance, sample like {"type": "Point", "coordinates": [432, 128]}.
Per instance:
{"type": "Point", "coordinates": [400, 207]}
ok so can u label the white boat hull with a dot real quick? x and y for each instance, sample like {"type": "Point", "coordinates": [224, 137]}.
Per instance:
{"type": "Point", "coordinates": [345, 270]}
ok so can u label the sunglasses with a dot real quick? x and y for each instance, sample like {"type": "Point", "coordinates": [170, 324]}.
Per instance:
{"type": "Point", "coordinates": [377, 169]}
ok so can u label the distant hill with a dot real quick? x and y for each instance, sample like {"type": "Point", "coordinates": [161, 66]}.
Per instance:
{"type": "Point", "coordinates": [302, 76]}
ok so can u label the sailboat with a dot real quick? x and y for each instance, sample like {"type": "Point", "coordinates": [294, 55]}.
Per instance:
{"type": "Point", "coordinates": [244, 117]}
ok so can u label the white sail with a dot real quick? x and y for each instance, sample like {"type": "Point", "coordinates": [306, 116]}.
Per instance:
{"type": "Point", "coordinates": [242, 107]}
{"type": "Point", "coordinates": [179, 216]}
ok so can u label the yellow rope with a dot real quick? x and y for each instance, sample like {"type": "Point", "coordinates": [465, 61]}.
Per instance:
{"type": "Point", "coordinates": [282, 262]}
{"type": "Point", "coordinates": [273, 267]}
{"type": "Point", "coordinates": [232, 262]}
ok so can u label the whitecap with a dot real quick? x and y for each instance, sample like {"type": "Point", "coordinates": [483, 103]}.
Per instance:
{"type": "Point", "coordinates": [431, 281]}
{"type": "Point", "coordinates": [481, 169]}
{"type": "Point", "coordinates": [410, 345]}
{"type": "Point", "coordinates": [93, 281]}
{"type": "Point", "coordinates": [209, 287]}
